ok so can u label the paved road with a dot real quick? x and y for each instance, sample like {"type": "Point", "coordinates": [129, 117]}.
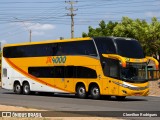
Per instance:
{"type": "Point", "coordinates": [64, 102]}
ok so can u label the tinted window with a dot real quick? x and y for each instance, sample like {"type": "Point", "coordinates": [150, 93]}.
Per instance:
{"type": "Point", "coordinates": [77, 48]}
{"type": "Point", "coordinates": [83, 72]}
{"type": "Point", "coordinates": [105, 45]}
{"type": "Point", "coordinates": [41, 72]}
{"type": "Point", "coordinates": [30, 51]}
{"type": "Point", "coordinates": [70, 72]}
{"type": "Point", "coordinates": [67, 48]}
{"type": "Point", "coordinates": [129, 48]}
{"type": "Point", "coordinates": [62, 72]}
{"type": "Point", "coordinates": [58, 72]}
{"type": "Point", "coordinates": [111, 68]}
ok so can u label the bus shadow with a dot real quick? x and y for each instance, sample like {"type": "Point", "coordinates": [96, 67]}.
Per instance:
{"type": "Point", "coordinates": [127, 99]}
{"type": "Point", "coordinates": [55, 95]}
{"type": "Point", "coordinates": [60, 95]}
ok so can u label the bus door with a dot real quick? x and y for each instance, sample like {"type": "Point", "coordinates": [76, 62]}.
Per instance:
{"type": "Point", "coordinates": [111, 71]}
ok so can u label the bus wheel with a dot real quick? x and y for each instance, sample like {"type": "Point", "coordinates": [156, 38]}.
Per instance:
{"type": "Point", "coordinates": [121, 98]}
{"type": "Point", "coordinates": [95, 92]}
{"type": "Point", "coordinates": [81, 91]}
{"type": "Point", "coordinates": [26, 89]}
{"type": "Point", "coordinates": [17, 88]}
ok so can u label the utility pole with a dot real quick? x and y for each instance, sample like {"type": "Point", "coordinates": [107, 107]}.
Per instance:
{"type": "Point", "coordinates": [71, 9]}
{"type": "Point", "coordinates": [30, 31]}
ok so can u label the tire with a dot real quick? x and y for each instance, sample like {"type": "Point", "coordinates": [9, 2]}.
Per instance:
{"type": "Point", "coordinates": [95, 92]}
{"type": "Point", "coordinates": [17, 88]}
{"type": "Point", "coordinates": [81, 91]}
{"type": "Point", "coordinates": [26, 89]}
{"type": "Point", "coordinates": [120, 98]}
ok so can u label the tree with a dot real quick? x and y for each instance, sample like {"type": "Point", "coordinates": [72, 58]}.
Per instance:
{"type": "Point", "coordinates": [103, 29]}
{"type": "Point", "coordinates": [154, 38]}
{"type": "Point", "coordinates": [147, 34]}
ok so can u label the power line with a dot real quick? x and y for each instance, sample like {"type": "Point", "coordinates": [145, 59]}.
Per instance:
{"type": "Point", "coordinates": [90, 13]}
{"type": "Point", "coordinates": [30, 31]}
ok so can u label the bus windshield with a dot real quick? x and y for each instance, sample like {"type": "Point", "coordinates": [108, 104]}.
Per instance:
{"type": "Point", "coordinates": [134, 73]}
{"type": "Point", "coordinates": [129, 48]}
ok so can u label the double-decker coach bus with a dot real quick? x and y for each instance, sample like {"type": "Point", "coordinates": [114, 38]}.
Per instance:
{"type": "Point", "coordinates": [111, 66]}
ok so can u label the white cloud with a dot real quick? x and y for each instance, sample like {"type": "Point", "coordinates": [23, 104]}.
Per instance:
{"type": "Point", "coordinates": [3, 42]}
{"type": "Point", "coordinates": [152, 14]}
{"type": "Point", "coordinates": [38, 33]}
{"type": "Point", "coordinates": [36, 28]}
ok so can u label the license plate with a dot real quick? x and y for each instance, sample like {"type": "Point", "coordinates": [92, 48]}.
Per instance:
{"type": "Point", "coordinates": [137, 94]}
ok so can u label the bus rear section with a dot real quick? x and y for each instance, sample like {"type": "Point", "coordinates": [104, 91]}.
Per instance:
{"type": "Point", "coordinates": [62, 66]}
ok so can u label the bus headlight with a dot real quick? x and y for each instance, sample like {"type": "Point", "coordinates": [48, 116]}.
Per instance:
{"type": "Point", "coordinates": [131, 87]}
{"type": "Point", "coordinates": [120, 84]}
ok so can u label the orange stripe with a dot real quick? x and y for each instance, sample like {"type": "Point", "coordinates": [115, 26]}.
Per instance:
{"type": "Point", "coordinates": [31, 76]}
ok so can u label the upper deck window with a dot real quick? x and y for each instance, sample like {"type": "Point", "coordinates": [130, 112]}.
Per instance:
{"type": "Point", "coordinates": [85, 47]}
{"type": "Point", "coordinates": [77, 48]}
{"type": "Point", "coordinates": [105, 45]}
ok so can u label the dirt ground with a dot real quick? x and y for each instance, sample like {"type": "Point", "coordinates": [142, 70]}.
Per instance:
{"type": "Point", "coordinates": [16, 108]}
{"type": "Point", "coordinates": [154, 91]}
{"type": "Point", "coordinates": [154, 87]}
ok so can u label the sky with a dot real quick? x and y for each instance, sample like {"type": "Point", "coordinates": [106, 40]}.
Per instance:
{"type": "Point", "coordinates": [48, 20]}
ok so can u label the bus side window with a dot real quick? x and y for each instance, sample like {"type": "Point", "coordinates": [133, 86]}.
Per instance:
{"type": "Point", "coordinates": [58, 72]}
{"type": "Point", "coordinates": [54, 49]}
{"type": "Point", "coordinates": [70, 72]}
{"type": "Point", "coordinates": [60, 50]}
{"type": "Point", "coordinates": [111, 68]}
{"type": "Point", "coordinates": [4, 72]}
{"type": "Point", "coordinates": [84, 72]}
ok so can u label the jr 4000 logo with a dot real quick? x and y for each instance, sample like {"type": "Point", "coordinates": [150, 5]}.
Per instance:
{"type": "Point", "coordinates": [56, 60]}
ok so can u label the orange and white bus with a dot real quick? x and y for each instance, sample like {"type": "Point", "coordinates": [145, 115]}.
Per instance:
{"type": "Point", "coordinates": [111, 66]}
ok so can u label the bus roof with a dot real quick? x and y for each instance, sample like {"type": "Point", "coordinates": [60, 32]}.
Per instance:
{"type": "Point", "coordinates": [64, 40]}
{"type": "Point", "coordinates": [48, 41]}
{"type": "Point", "coordinates": [118, 38]}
